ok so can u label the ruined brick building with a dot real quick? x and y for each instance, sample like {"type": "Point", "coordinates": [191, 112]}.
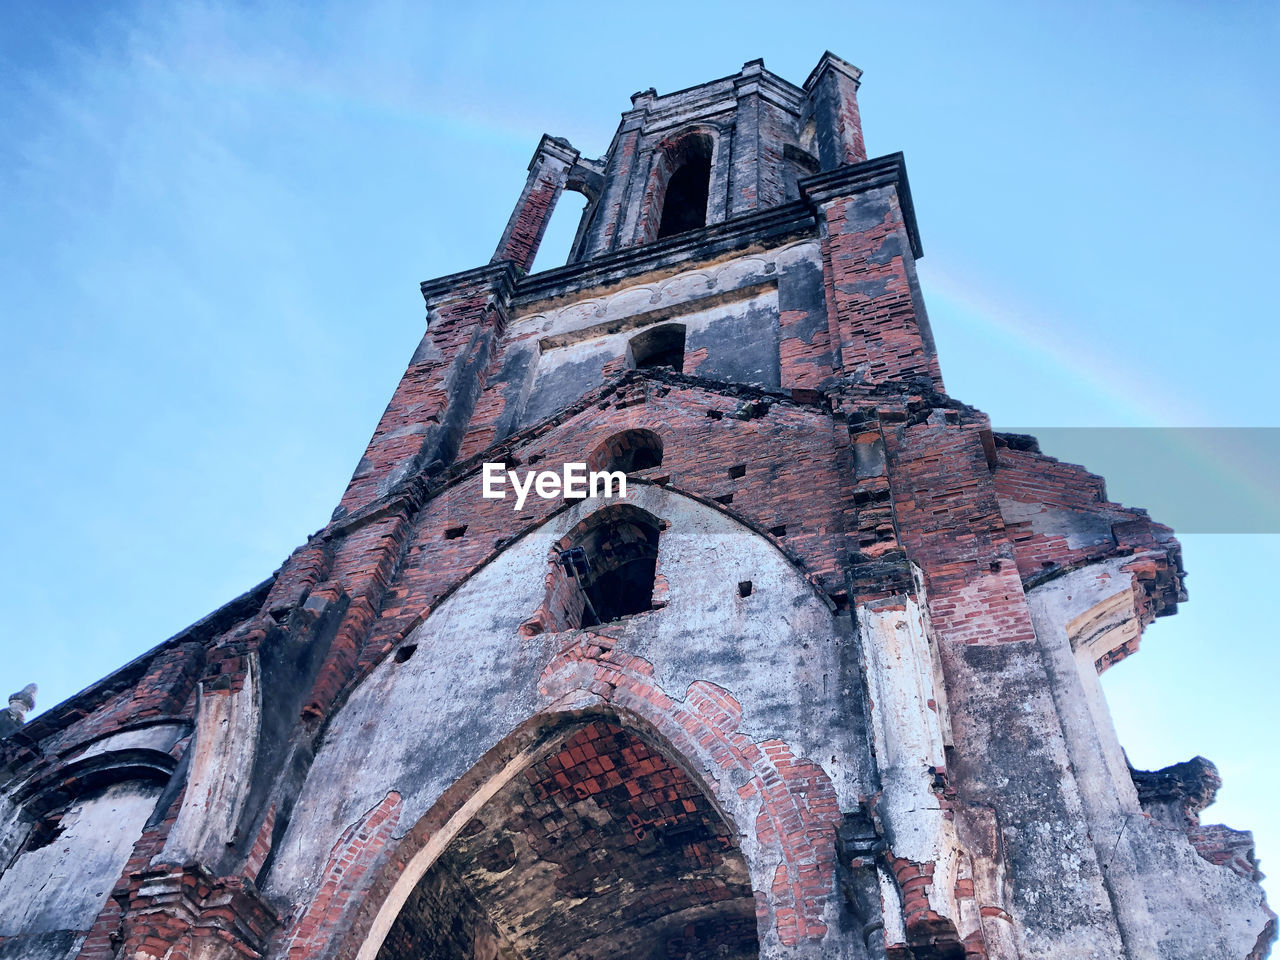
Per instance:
{"type": "Point", "coordinates": [824, 684]}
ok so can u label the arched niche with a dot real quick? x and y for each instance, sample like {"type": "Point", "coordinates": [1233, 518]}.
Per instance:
{"type": "Point", "coordinates": [70, 833]}
{"type": "Point", "coordinates": [627, 450]}
{"type": "Point", "coordinates": [603, 844]}
{"type": "Point", "coordinates": [660, 346]}
{"type": "Point", "coordinates": [603, 569]}
{"type": "Point", "coordinates": [688, 186]}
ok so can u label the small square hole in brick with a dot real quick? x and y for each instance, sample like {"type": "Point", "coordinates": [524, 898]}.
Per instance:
{"type": "Point", "coordinates": [453, 533]}
{"type": "Point", "coordinates": [738, 471]}
{"type": "Point", "coordinates": [405, 652]}
{"type": "Point", "coordinates": [744, 588]}
{"type": "Point", "coordinates": [726, 499]}
{"type": "Point", "coordinates": [715, 414]}
{"type": "Point", "coordinates": [779, 531]}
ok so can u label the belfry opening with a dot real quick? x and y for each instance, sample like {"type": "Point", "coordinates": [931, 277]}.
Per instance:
{"type": "Point", "coordinates": [684, 207]}
{"type": "Point", "coordinates": [604, 847]}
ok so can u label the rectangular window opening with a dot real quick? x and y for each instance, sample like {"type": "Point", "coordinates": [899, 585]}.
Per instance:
{"type": "Point", "coordinates": [453, 533]}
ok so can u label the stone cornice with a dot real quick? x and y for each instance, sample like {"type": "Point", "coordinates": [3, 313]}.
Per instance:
{"type": "Point", "coordinates": [766, 227]}
{"type": "Point", "coordinates": [500, 276]}
{"type": "Point", "coordinates": [557, 147]}
{"type": "Point", "coordinates": [829, 61]}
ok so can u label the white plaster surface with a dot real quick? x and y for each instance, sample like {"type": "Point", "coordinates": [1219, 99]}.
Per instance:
{"type": "Point", "coordinates": [63, 885]}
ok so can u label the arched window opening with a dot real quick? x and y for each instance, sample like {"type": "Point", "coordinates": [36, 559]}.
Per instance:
{"type": "Point", "coordinates": [613, 566]}
{"type": "Point", "coordinates": [688, 187]}
{"type": "Point", "coordinates": [686, 204]}
{"type": "Point", "coordinates": [556, 245]}
{"type": "Point", "coordinates": [628, 451]}
{"type": "Point", "coordinates": [604, 569]}
{"type": "Point", "coordinates": [659, 347]}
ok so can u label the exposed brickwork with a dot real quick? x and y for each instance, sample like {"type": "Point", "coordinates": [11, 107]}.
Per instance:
{"type": "Point", "coordinates": [617, 835]}
{"type": "Point", "coordinates": [929, 935]}
{"type": "Point", "coordinates": [1232, 849]}
{"type": "Point", "coordinates": [103, 939]}
{"type": "Point", "coordinates": [1027, 477]}
{"type": "Point", "coordinates": [549, 172]}
{"type": "Point", "coordinates": [461, 328]}
{"type": "Point", "coordinates": [866, 249]}
{"type": "Point", "coordinates": [698, 463]}
{"type": "Point", "coordinates": [261, 844]}
{"type": "Point", "coordinates": [444, 921]}
{"type": "Point", "coordinates": [949, 521]}
{"type": "Point", "coordinates": [355, 854]}
{"type": "Point", "coordinates": [833, 86]}
{"type": "Point", "coordinates": [804, 353]}
{"type": "Point", "coordinates": [605, 223]}
{"type": "Point", "coordinates": [798, 807]}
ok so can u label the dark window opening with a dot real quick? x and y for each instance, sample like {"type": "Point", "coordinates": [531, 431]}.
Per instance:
{"type": "Point", "coordinates": [685, 206]}
{"type": "Point", "coordinates": [726, 499]}
{"type": "Point", "coordinates": [779, 531]}
{"type": "Point", "coordinates": [611, 566]}
{"type": "Point", "coordinates": [659, 347]}
{"type": "Point", "coordinates": [744, 588]}
{"type": "Point", "coordinates": [453, 533]}
{"type": "Point", "coordinates": [628, 451]}
{"type": "Point", "coordinates": [715, 414]}
{"type": "Point", "coordinates": [738, 471]}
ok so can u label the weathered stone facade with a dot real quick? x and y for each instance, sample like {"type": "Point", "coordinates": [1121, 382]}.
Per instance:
{"type": "Point", "coordinates": [824, 684]}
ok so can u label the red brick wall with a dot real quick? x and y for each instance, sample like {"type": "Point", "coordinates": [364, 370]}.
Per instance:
{"type": "Point", "coordinates": [881, 337]}
{"type": "Point", "coordinates": [533, 214]}
{"type": "Point", "coordinates": [458, 329]}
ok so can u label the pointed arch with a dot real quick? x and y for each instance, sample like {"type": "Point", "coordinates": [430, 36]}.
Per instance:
{"type": "Point", "coordinates": [660, 860]}
{"type": "Point", "coordinates": [419, 723]}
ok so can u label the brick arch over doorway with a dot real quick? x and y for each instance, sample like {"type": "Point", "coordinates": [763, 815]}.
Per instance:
{"type": "Point", "coordinates": [605, 845]}
{"type": "Point", "coordinates": [595, 805]}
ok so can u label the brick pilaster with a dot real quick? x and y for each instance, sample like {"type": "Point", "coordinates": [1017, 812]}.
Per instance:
{"type": "Point", "coordinates": [548, 173]}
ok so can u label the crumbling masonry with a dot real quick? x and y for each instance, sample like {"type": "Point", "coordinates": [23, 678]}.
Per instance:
{"type": "Point", "coordinates": [824, 685]}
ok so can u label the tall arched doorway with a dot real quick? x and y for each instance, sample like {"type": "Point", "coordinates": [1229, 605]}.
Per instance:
{"type": "Point", "coordinates": [606, 847]}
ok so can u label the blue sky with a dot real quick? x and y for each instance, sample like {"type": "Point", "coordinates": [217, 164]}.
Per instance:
{"type": "Point", "coordinates": [216, 217]}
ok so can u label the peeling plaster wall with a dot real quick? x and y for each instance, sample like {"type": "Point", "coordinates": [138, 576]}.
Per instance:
{"type": "Point", "coordinates": [731, 312]}
{"type": "Point", "coordinates": [413, 727]}
{"type": "Point", "coordinates": [1202, 910]}
{"type": "Point", "coordinates": [50, 897]}
{"type": "Point", "coordinates": [910, 732]}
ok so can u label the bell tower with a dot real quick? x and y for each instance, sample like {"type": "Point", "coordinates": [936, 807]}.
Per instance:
{"type": "Point", "coordinates": [674, 610]}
